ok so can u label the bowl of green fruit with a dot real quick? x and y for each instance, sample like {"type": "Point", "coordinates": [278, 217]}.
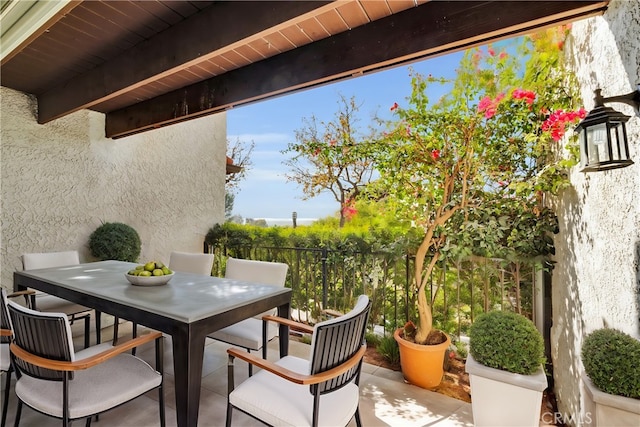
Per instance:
{"type": "Point", "coordinates": [152, 273]}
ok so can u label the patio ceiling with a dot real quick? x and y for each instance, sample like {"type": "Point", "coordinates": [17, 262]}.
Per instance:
{"type": "Point", "coordinates": [147, 64]}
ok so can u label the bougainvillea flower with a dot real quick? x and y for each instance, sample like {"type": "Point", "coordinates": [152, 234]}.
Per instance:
{"type": "Point", "coordinates": [333, 142]}
{"type": "Point", "coordinates": [557, 122]}
{"type": "Point", "coordinates": [435, 154]}
{"type": "Point", "coordinates": [349, 209]}
{"type": "Point", "coordinates": [527, 95]}
{"type": "Point", "coordinates": [503, 55]}
{"type": "Point", "coordinates": [394, 106]}
{"type": "Point", "coordinates": [491, 51]}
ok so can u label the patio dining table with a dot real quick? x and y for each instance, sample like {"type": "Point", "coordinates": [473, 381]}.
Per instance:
{"type": "Point", "coordinates": [188, 308]}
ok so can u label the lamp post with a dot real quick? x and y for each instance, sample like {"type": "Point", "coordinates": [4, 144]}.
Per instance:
{"type": "Point", "coordinates": [603, 134]}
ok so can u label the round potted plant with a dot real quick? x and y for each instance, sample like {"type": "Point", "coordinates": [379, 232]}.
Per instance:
{"type": "Point", "coordinates": [115, 241]}
{"type": "Point", "coordinates": [505, 366]}
{"type": "Point", "coordinates": [611, 377]}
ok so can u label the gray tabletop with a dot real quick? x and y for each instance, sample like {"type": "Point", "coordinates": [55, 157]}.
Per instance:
{"type": "Point", "coordinates": [186, 298]}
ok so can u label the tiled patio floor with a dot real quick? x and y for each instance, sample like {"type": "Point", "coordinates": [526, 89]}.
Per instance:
{"type": "Point", "coordinates": [385, 399]}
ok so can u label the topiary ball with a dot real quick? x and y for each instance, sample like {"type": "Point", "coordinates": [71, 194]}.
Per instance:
{"type": "Point", "coordinates": [507, 341]}
{"type": "Point", "coordinates": [116, 241]}
{"type": "Point", "coordinates": [611, 359]}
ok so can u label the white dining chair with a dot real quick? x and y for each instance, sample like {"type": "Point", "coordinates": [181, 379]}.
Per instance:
{"type": "Point", "coordinates": [248, 333]}
{"type": "Point", "coordinates": [322, 390]}
{"type": "Point", "coordinates": [54, 379]}
{"type": "Point", "coordinates": [44, 302]}
{"type": "Point", "coordinates": [187, 262]}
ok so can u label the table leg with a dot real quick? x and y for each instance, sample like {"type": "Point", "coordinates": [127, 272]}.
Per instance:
{"type": "Point", "coordinates": [188, 353]}
{"type": "Point", "coordinates": [98, 327]}
{"type": "Point", "coordinates": [283, 333]}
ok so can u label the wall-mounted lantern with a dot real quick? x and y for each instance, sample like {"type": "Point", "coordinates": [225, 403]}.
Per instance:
{"type": "Point", "coordinates": [603, 134]}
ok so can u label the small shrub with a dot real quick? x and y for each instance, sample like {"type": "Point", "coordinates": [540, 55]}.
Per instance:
{"type": "Point", "coordinates": [611, 359]}
{"type": "Point", "coordinates": [116, 241]}
{"type": "Point", "coordinates": [372, 339]}
{"type": "Point", "coordinates": [507, 341]}
{"type": "Point", "coordinates": [388, 348]}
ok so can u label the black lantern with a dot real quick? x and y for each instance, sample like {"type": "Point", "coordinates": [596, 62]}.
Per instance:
{"type": "Point", "coordinates": [603, 134]}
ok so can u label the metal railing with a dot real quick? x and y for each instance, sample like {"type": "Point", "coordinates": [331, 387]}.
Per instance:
{"type": "Point", "coordinates": [461, 289]}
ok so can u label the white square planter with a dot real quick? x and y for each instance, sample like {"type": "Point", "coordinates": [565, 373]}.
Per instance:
{"type": "Point", "coordinates": [500, 398]}
{"type": "Point", "coordinates": [603, 409]}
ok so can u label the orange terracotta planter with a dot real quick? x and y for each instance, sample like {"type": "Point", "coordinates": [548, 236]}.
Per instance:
{"type": "Point", "coordinates": [422, 365]}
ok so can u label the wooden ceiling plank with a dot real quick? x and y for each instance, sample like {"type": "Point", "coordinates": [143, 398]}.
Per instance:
{"type": "Point", "coordinates": [295, 34]}
{"type": "Point", "coordinates": [236, 59]}
{"type": "Point", "coordinates": [188, 40]}
{"type": "Point", "coordinates": [400, 5]}
{"type": "Point", "coordinates": [279, 42]}
{"type": "Point", "coordinates": [380, 44]}
{"type": "Point", "coordinates": [312, 28]}
{"type": "Point", "coordinates": [376, 9]}
{"type": "Point", "coordinates": [353, 14]}
{"type": "Point", "coordinates": [332, 22]}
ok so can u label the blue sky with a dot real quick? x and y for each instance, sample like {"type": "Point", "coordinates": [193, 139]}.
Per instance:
{"type": "Point", "coordinates": [265, 193]}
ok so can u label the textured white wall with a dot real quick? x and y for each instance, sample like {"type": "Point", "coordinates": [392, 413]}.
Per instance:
{"type": "Point", "coordinates": [61, 180]}
{"type": "Point", "coordinates": [597, 279]}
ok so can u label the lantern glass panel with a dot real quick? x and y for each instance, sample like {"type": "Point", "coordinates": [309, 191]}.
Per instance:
{"type": "Point", "coordinates": [597, 147]}
{"type": "Point", "coordinates": [618, 142]}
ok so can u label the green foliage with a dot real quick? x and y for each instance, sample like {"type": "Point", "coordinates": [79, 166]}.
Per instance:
{"type": "Point", "coordinates": [372, 339]}
{"type": "Point", "coordinates": [470, 170]}
{"type": "Point", "coordinates": [332, 157]}
{"type": "Point", "coordinates": [507, 341]}
{"type": "Point", "coordinates": [115, 241]}
{"type": "Point", "coordinates": [611, 360]}
{"type": "Point", "coordinates": [388, 348]}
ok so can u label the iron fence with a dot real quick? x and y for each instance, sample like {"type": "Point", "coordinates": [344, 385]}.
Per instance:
{"type": "Point", "coordinates": [323, 279]}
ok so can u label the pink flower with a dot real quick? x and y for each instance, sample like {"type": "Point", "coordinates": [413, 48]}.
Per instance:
{"type": "Point", "coordinates": [503, 55]}
{"type": "Point", "coordinates": [394, 106]}
{"type": "Point", "coordinates": [435, 154]}
{"type": "Point", "coordinates": [491, 51]}
{"type": "Point", "coordinates": [349, 210]}
{"type": "Point", "coordinates": [490, 106]}
{"type": "Point", "coordinates": [527, 95]}
{"type": "Point", "coordinates": [484, 103]}
{"type": "Point", "coordinates": [332, 142]}
{"type": "Point", "coordinates": [558, 120]}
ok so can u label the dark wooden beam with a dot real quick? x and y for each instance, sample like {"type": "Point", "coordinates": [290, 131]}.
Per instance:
{"type": "Point", "coordinates": [191, 41]}
{"type": "Point", "coordinates": [431, 29]}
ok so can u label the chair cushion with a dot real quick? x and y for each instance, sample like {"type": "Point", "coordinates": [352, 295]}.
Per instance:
{"type": "Point", "coordinates": [279, 402]}
{"type": "Point", "coordinates": [50, 303]}
{"type": "Point", "coordinates": [93, 390]}
{"type": "Point", "coordinates": [4, 357]}
{"type": "Point", "coordinates": [247, 333]}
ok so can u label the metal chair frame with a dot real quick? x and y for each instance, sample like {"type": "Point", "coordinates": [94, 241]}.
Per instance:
{"type": "Point", "coordinates": [338, 348]}
{"type": "Point", "coordinates": [42, 349]}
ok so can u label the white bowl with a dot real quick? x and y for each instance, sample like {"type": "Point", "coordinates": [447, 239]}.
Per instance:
{"type": "Point", "coordinates": [149, 280]}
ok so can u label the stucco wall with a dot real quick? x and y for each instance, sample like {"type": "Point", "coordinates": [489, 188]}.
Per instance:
{"type": "Point", "coordinates": [597, 278]}
{"type": "Point", "coordinates": [61, 180]}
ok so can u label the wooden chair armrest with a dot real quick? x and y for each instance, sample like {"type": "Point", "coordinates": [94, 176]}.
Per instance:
{"type": "Point", "coordinates": [89, 362]}
{"type": "Point", "coordinates": [332, 313]}
{"type": "Point", "coordinates": [296, 326]}
{"type": "Point", "coordinates": [6, 333]}
{"type": "Point", "coordinates": [21, 293]}
{"type": "Point", "coordinates": [296, 377]}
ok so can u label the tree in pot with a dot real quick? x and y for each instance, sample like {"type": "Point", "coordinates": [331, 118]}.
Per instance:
{"type": "Point", "coordinates": [505, 366]}
{"type": "Point", "coordinates": [611, 377]}
{"type": "Point", "coordinates": [486, 147]}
